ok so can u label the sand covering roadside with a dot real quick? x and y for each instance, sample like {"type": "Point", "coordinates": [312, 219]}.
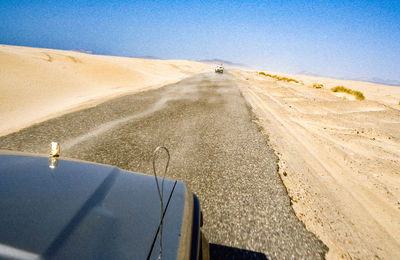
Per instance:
{"type": "Point", "coordinates": [37, 84]}
{"type": "Point", "coordinates": [339, 159]}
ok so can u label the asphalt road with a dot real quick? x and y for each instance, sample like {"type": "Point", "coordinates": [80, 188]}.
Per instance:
{"type": "Point", "coordinates": [215, 147]}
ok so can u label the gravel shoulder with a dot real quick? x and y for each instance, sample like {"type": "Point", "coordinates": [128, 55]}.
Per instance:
{"type": "Point", "coordinates": [216, 148]}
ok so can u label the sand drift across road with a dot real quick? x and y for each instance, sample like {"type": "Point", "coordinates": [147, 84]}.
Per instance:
{"type": "Point", "coordinates": [215, 146]}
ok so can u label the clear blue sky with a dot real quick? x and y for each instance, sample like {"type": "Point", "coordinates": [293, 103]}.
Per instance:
{"type": "Point", "coordinates": [332, 38]}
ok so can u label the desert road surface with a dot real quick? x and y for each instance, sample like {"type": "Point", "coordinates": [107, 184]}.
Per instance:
{"type": "Point", "coordinates": [216, 149]}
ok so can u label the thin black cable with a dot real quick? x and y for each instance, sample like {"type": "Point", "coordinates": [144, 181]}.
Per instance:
{"type": "Point", "coordinates": [159, 226]}
{"type": "Point", "coordinates": [160, 192]}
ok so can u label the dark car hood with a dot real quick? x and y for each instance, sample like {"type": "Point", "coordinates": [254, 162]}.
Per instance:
{"type": "Point", "coordinates": [83, 211]}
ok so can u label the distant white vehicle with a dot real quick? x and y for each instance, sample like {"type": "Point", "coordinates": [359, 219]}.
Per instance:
{"type": "Point", "coordinates": [219, 68]}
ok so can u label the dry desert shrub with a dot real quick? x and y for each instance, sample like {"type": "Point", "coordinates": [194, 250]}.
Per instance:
{"type": "Point", "coordinates": [279, 78]}
{"type": "Point", "coordinates": [359, 95]}
{"type": "Point", "coordinates": [316, 85]}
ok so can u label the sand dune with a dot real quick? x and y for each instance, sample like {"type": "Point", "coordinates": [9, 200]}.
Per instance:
{"type": "Point", "coordinates": [37, 84]}
{"type": "Point", "coordinates": [339, 159]}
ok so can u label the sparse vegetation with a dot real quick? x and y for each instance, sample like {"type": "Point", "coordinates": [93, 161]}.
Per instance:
{"type": "Point", "coordinates": [73, 59]}
{"type": "Point", "coordinates": [279, 78]}
{"type": "Point", "coordinates": [317, 85]}
{"type": "Point", "coordinates": [49, 58]}
{"type": "Point", "coordinates": [359, 95]}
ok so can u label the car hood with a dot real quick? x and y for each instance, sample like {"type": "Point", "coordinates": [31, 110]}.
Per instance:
{"type": "Point", "coordinates": [84, 211]}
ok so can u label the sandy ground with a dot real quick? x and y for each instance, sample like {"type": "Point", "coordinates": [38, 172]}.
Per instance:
{"type": "Point", "coordinates": [339, 159]}
{"type": "Point", "coordinates": [38, 84]}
